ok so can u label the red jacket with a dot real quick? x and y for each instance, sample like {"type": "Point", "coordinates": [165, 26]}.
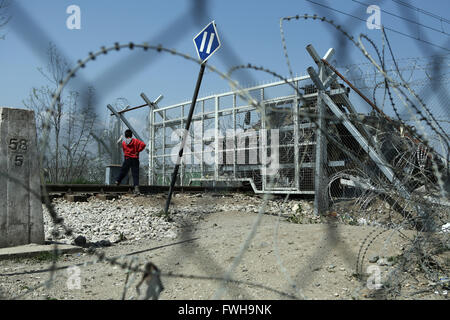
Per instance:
{"type": "Point", "coordinates": [132, 149]}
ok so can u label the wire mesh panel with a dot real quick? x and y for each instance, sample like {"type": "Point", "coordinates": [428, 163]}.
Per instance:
{"type": "Point", "coordinates": [279, 119]}
{"type": "Point", "coordinates": [233, 140]}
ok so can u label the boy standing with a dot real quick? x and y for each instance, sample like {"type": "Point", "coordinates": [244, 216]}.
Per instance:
{"type": "Point", "coordinates": [131, 149]}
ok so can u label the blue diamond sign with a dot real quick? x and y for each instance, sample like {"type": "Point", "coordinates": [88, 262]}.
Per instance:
{"type": "Point", "coordinates": [207, 41]}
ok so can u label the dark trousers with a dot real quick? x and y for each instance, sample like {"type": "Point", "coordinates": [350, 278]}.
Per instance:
{"type": "Point", "coordinates": [132, 163]}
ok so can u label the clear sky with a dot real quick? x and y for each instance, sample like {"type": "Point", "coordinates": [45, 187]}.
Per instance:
{"type": "Point", "coordinates": [249, 32]}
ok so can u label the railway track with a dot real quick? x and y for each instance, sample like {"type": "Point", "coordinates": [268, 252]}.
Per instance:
{"type": "Point", "coordinates": [80, 192]}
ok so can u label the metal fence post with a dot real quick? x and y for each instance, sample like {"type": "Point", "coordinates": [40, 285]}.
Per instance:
{"type": "Point", "coordinates": [151, 143]}
{"type": "Point", "coordinates": [320, 180]}
{"type": "Point", "coordinates": [264, 145]}
{"type": "Point", "coordinates": [216, 138]}
{"type": "Point", "coordinates": [182, 162]}
{"type": "Point", "coordinates": [202, 155]}
{"type": "Point", "coordinates": [164, 147]}
{"type": "Point", "coordinates": [234, 137]}
{"type": "Point", "coordinates": [296, 140]}
{"type": "Point", "coordinates": [320, 170]}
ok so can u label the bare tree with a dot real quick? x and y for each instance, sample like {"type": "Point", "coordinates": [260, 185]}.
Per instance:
{"type": "Point", "coordinates": [79, 124]}
{"type": "Point", "coordinates": [57, 66]}
{"type": "Point", "coordinates": [38, 100]}
{"type": "Point", "coordinates": [71, 124]}
{"type": "Point", "coordinates": [4, 16]}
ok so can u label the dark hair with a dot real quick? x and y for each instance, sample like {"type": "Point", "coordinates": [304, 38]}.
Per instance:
{"type": "Point", "coordinates": [128, 133]}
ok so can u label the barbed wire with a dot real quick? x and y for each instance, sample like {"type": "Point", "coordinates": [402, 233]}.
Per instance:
{"type": "Point", "coordinates": [382, 71]}
{"type": "Point", "coordinates": [387, 28]}
{"type": "Point", "coordinates": [360, 46]}
{"type": "Point", "coordinates": [405, 19]}
{"type": "Point", "coordinates": [159, 48]}
{"type": "Point", "coordinates": [132, 266]}
{"type": "Point", "coordinates": [60, 221]}
{"type": "Point", "coordinates": [410, 6]}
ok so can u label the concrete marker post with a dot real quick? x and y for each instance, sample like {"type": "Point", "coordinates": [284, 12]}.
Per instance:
{"type": "Point", "coordinates": [21, 217]}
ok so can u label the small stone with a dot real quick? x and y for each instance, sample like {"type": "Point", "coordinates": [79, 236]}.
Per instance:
{"type": "Point", "coordinates": [105, 243]}
{"type": "Point", "coordinates": [383, 262]}
{"type": "Point", "coordinates": [80, 241]}
{"type": "Point", "coordinates": [263, 244]}
{"type": "Point", "coordinates": [446, 228]}
{"type": "Point", "coordinates": [374, 259]}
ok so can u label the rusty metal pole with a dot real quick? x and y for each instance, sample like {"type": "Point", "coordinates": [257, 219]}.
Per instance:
{"type": "Point", "coordinates": [150, 104]}
{"type": "Point", "coordinates": [410, 135]}
{"type": "Point", "coordinates": [356, 90]}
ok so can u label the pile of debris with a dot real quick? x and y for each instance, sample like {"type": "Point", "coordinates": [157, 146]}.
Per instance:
{"type": "Point", "coordinates": [138, 218]}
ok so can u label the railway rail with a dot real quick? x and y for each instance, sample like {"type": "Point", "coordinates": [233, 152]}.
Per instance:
{"type": "Point", "coordinates": [80, 192]}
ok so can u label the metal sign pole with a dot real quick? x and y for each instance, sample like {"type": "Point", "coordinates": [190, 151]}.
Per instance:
{"type": "Point", "coordinates": [206, 42]}
{"type": "Point", "coordinates": [186, 132]}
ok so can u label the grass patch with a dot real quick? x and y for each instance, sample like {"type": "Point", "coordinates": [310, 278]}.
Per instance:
{"type": "Point", "coordinates": [167, 216]}
{"type": "Point", "coordinates": [394, 259]}
{"type": "Point", "coordinates": [295, 219]}
{"type": "Point", "coordinates": [40, 257]}
{"type": "Point", "coordinates": [122, 237]}
{"type": "Point", "coordinates": [45, 256]}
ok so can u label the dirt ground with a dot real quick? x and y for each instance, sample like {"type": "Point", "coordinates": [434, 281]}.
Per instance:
{"type": "Point", "coordinates": [319, 259]}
